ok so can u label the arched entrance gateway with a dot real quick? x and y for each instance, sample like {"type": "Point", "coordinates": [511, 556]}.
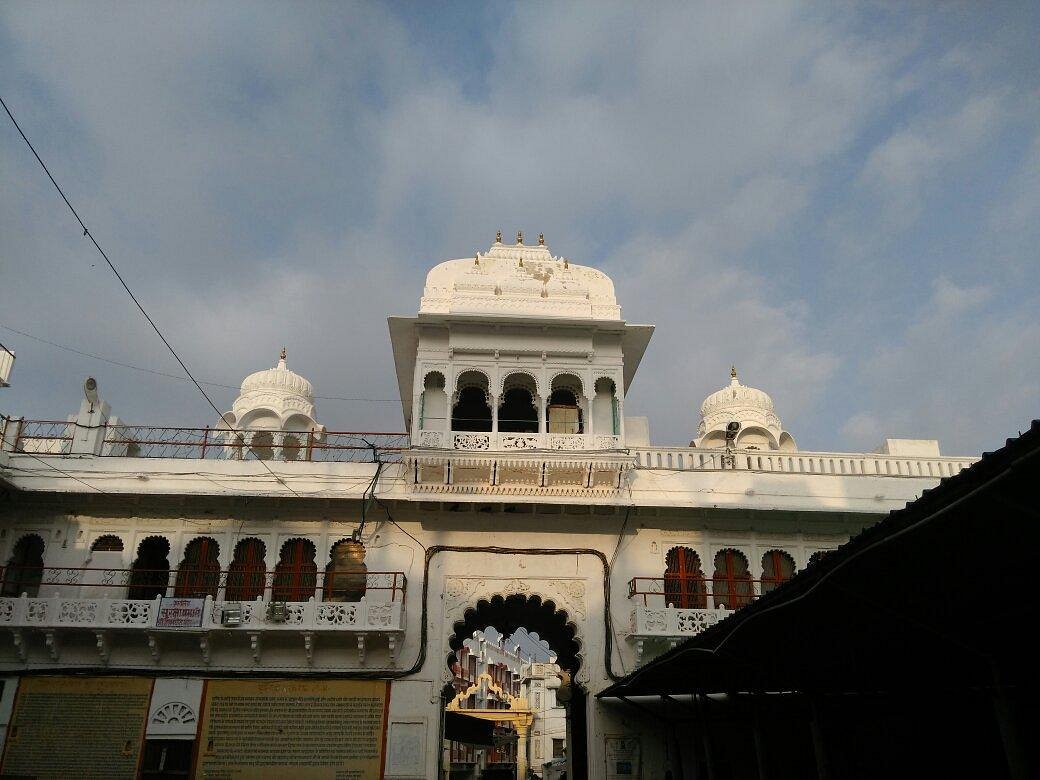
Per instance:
{"type": "Point", "coordinates": [503, 690]}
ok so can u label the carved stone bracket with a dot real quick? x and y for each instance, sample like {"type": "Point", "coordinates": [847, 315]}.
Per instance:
{"type": "Point", "coordinates": [50, 638]}
{"type": "Point", "coordinates": [19, 644]}
{"type": "Point", "coordinates": [103, 648]}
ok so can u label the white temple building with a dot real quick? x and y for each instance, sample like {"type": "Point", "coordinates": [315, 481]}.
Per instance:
{"type": "Point", "coordinates": [267, 577]}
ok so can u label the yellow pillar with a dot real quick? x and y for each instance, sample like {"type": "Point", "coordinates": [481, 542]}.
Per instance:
{"type": "Point", "coordinates": [521, 750]}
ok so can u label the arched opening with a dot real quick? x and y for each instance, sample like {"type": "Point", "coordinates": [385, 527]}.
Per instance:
{"type": "Point", "coordinates": [507, 647]}
{"type": "Point", "coordinates": [818, 556]}
{"type": "Point", "coordinates": [433, 405]}
{"type": "Point", "coordinates": [684, 585]}
{"type": "Point", "coordinates": [296, 575]}
{"type": "Point", "coordinates": [261, 445]}
{"type": "Point", "coordinates": [754, 437]}
{"type": "Point", "coordinates": [563, 414]}
{"type": "Point", "coordinates": [731, 583]}
{"type": "Point", "coordinates": [24, 570]}
{"type": "Point", "coordinates": [107, 543]}
{"type": "Point", "coordinates": [150, 571]}
{"type": "Point", "coordinates": [292, 446]}
{"type": "Point", "coordinates": [198, 575]}
{"type": "Point", "coordinates": [518, 413]}
{"type": "Point", "coordinates": [471, 411]}
{"type": "Point", "coordinates": [605, 416]}
{"type": "Point", "coordinates": [248, 571]}
{"type": "Point", "coordinates": [777, 567]}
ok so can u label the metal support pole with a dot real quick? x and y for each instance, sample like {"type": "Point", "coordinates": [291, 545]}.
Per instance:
{"type": "Point", "coordinates": [705, 735]}
{"type": "Point", "coordinates": [819, 748]}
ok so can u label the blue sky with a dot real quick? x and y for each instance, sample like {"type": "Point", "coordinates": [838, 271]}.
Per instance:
{"type": "Point", "coordinates": [841, 200]}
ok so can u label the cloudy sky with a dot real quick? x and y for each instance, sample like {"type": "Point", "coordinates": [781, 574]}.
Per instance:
{"type": "Point", "coordinates": [843, 200]}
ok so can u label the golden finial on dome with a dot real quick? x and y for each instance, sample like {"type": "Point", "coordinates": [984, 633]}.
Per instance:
{"type": "Point", "coordinates": [520, 237]}
{"type": "Point", "coordinates": [498, 237]}
{"type": "Point", "coordinates": [541, 239]}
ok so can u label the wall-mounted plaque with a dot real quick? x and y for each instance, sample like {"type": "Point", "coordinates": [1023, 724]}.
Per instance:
{"type": "Point", "coordinates": [180, 613]}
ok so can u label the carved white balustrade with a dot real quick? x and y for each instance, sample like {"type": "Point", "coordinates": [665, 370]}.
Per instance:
{"type": "Point", "coordinates": [867, 464]}
{"type": "Point", "coordinates": [364, 620]}
{"type": "Point", "coordinates": [657, 629]}
{"type": "Point", "coordinates": [503, 441]}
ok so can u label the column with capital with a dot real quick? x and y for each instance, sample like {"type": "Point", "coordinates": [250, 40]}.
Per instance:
{"type": "Point", "coordinates": [523, 725]}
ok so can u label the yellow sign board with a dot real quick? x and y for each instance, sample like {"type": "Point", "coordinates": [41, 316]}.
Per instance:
{"type": "Point", "coordinates": [304, 729]}
{"type": "Point", "coordinates": [77, 727]}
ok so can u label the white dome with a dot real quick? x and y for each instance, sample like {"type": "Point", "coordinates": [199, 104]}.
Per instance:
{"type": "Point", "coordinates": [760, 427]}
{"type": "Point", "coordinates": [279, 378]}
{"type": "Point", "coordinates": [519, 280]}
{"type": "Point", "coordinates": [274, 398]}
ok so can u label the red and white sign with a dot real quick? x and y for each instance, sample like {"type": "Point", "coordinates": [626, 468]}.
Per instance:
{"type": "Point", "coordinates": [180, 613]}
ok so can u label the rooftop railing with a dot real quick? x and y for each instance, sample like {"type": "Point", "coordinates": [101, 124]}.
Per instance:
{"type": "Point", "coordinates": [54, 437]}
{"type": "Point", "coordinates": [871, 464]}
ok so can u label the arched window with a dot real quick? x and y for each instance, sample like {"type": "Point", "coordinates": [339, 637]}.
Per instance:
{"type": "Point", "coordinates": [605, 417]}
{"type": "Point", "coordinates": [261, 445]}
{"type": "Point", "coordinates": [199, 573]}
{"type": "Point", "coordinates": [818, 556]}
{"type": "Point", "coordinates": [107, 543]}
{"type": "Point", "coordinates": [24, 570]}
{"type": "Point", "coordinates": [517, 414]}
{"type": "Point", "coordinates": [247, 572]}
{"type": "Point", "coordinates": [433, 403]}
{"type": "Point", "coordinates": [296, 574]}
{"type": "Point", "coordinates": [684, 580]}
{"type": "Point", "coordinates": [471, 412]}
{"type": "Point", "coordinates": [292, 446]}
{"type": "Point", "coordinates": [731, 583]}
{"type": "Point", "coordinates": [777, 567]}
{"type": "Point", "coordinates": [564, 415]}
{"type": "Point", "coordinates": [150, 571]}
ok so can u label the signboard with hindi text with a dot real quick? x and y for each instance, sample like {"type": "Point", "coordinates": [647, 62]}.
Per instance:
{"type": "Point", "coordinates": [65, 727]}
{"type": "Point", "coordinates": [303, 729]}
{"type": "Point", "coordinates": [180, 613]}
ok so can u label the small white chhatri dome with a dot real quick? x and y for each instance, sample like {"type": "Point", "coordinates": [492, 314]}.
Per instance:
{"type": "Point", "coordinates": [760, 427]}
{"type": "Point", "coordinates": [274, 399]}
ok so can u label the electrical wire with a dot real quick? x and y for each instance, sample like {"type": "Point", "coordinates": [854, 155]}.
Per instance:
{"type": "Point", "coordinates": [87, 234]}
{"type": "Point", "coordinates": [178, 378]}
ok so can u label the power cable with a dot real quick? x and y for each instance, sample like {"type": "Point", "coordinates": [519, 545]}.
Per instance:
{"type": "Point", "coordinates": [87, 234]}
{"type": "Point", "coordinates": [175, 376]}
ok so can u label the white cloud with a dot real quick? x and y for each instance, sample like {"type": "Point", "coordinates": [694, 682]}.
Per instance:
{"type": "Point", "coordinates": [289, 176]}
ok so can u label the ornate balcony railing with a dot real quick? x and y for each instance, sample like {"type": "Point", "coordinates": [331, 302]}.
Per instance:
{"type": "Point", "coordinates": [670, 609]}
{"type": "Point", "coordinates": [53, 437]}
{"type": "Point", "coordinates": [51, 600]}
{"type": "Point", "coordinates": [247, 583]}
{"type": "Point", "coordinates": [57, 614]}
{"type": "Point", "coordinates": [500, 441]}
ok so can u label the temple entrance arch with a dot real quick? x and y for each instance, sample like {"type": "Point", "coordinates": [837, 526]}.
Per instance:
{"type": "Point", "coordinates": [480, 688]}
